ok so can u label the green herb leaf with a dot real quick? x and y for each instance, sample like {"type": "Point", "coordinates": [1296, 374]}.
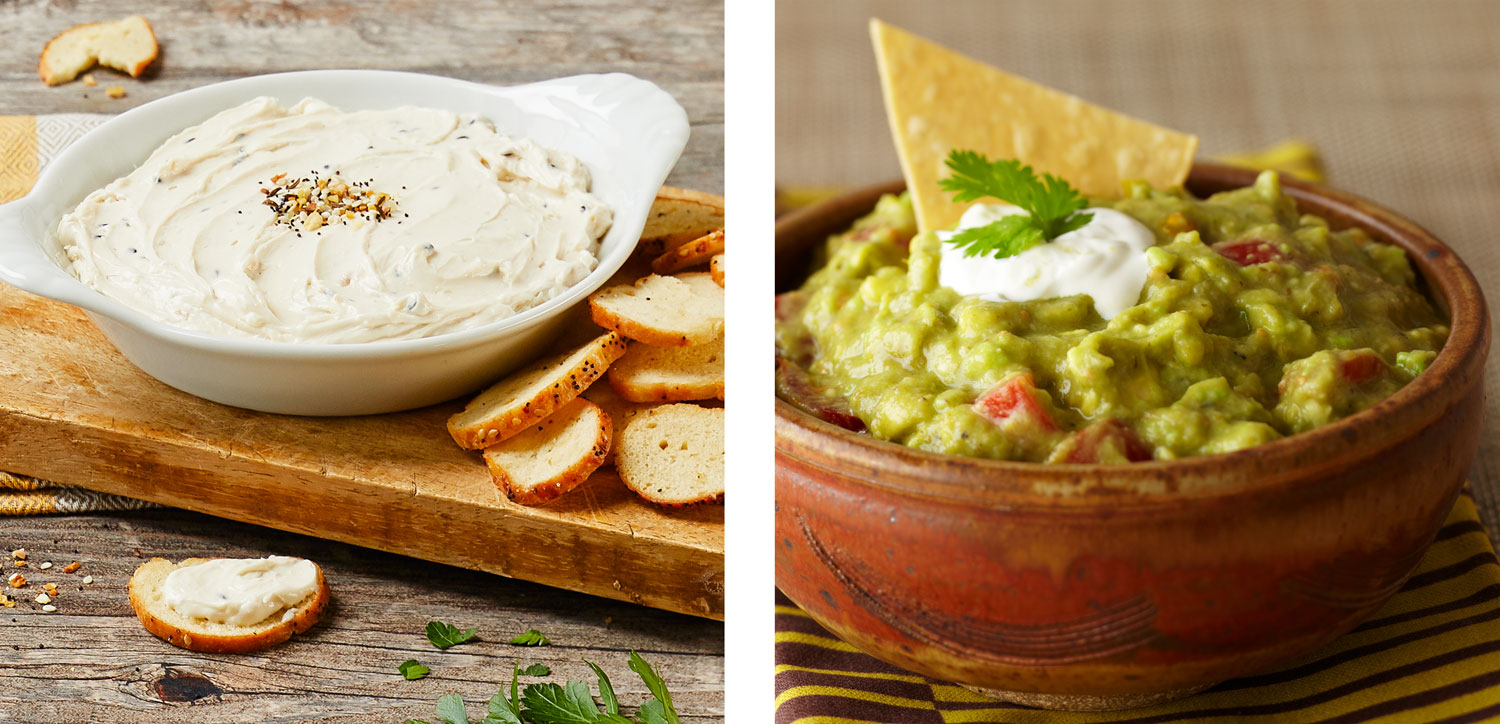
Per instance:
{"type": "Point", "coordinates": [532, 637]}
{"type": "Point", "coordinates": [443, 636]}
{"type": "Point", "coordinates": [553, 704]}
{"type": "Point", "coordinates": [506, 709]}
{"type": "Point", "coordinates": [412, 670]}
{"type": "Point", "coordinates": [654, 712]}
{"type": "Point", "coordinates": [536, 670]}
{"type": "Point", "coordinates": [450, 708]}
{"type": "Point", "coordinates": [1051, 204]}
{"type": "Point", "coordinates": [1007, 237]}
{"type": "Point", "coordinates": [664, 712]}
{"type": "Point", "coordinates": [606, 690]}
{"type": "Point", "coordinates": [416, 721]}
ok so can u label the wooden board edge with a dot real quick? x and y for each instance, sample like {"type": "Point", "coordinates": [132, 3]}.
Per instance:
{"type": "Point", "coordinates": [600, 562]}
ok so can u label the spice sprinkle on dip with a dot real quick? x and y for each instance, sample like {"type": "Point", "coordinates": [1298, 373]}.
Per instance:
{"type": "Point", "coordinates": [313, 224]}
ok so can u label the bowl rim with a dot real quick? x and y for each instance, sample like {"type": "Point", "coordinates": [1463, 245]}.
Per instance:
{"type": "Point", "coordinates": [257, 348]}
{"type": "Point", "coordinates": [862, 460]}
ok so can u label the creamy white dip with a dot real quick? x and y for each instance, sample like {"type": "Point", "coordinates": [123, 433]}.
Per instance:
{"type": "Point", "coordinates": [481, 226]}
{"type": "Point", "coordinates": [239, 591]}
{"type": "Point", "coordinates": [1106, 260]}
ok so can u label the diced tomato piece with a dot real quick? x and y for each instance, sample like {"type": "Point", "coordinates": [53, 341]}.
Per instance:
{"type": "Point", "coordinates": [794, 386]}
{"type": "Point", "coordinates": [1248, 252]}
{"type": "Point", "coordinates": [898, 237]}
{"type": "Point", "coordinates": [1087, 442]}
{"type": "Point", "coordinates": [788, 304]}
{"type": "Point", "coordinates": [1015, 398]}
{"type": "Point", "coordinates": [1363, 368]}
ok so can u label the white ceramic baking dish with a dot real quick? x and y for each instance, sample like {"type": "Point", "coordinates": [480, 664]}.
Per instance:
{"type": "Point", "coordinates": [626, 130]}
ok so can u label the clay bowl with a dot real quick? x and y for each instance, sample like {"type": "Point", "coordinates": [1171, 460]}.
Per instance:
{"type": "Point", "coordinates": [1141, 582]}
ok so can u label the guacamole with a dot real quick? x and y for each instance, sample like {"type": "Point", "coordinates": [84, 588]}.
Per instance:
{"type": "Point", "coordinates": [1255, 322]}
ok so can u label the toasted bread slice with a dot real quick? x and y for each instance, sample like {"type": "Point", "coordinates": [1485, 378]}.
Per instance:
{"type": "Point", "coordinates": [670, 374]}
{"type": "Point", "coordinates": [675, 311]}
{"type": "Point", "coordinates": [540, 463]}
{"type": "Point", "coordinates": [677, 217]}
{"type": "Point", "coordinates": [127, 45]}
{"type": "Point", "coordinates": [716, 269]}
{"type": "Point", "coordinates": [198, 634]}
{"type": "Point", "coordinates": [691, 254]}
{"type": "Point", "coordinates": [529, 396]}
{"type": "Point", "coordinates": [620, 411]}
{"type": "Point", "coordinates": [674, 455]}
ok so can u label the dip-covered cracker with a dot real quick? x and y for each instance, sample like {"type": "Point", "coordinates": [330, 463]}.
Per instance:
{"type": "Point", "coordinates": [939, 101]}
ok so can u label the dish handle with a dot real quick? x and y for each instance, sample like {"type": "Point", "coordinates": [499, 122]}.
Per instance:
{"type": "Point", "coordinates": [23, 263]}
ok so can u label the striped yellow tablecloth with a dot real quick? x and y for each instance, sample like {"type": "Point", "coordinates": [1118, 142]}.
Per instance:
{"type": "Point", "coordinates": [1432, 654]}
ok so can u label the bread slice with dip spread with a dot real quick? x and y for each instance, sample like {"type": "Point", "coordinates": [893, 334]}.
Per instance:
{"type": "Point", "coordinates": [228, 605]}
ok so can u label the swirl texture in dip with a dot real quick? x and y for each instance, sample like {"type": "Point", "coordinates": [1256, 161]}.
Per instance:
{"type": "Point", "coordinates": [480, 226]}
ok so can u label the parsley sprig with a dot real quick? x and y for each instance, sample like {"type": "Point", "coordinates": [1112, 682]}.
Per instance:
{"type": "Point", "coordinates": [549, 703]}
{"type": "Point", "coordinates": [1052, 206]}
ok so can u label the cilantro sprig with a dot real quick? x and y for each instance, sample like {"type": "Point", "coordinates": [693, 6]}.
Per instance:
{"type": "Point", "coordinates": [1052, 206]}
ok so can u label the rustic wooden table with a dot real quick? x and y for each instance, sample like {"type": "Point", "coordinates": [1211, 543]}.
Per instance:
{"type": "Point", "coordinates": [91, 661]}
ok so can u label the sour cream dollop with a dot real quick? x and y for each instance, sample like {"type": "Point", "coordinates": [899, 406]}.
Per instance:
{"type": "Point", "coordinates": [1106, 259]}
{"type": "Point", "coordinates": [480, 225]}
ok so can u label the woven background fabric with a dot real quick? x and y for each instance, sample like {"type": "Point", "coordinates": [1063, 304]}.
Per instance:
{"type": "Point", "coordinates": [1401, 97]}
{"type": "Point", "coordinates": [1431, 654]}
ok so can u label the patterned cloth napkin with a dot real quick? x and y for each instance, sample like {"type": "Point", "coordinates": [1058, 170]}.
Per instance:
{"type": "Point", "coordinates": [1432, 654]}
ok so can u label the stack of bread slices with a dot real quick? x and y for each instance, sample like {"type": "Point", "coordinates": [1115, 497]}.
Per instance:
{"type": "Point", "coordinates": [644, 395]}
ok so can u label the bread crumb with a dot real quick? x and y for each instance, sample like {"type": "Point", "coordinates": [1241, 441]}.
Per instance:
{"type": "Point", "coordinates": [43, 598]}
{"type": "Point", "coordinates": [75, 565]}
{"type": "Point", "coordinates": [18, 554]}
{"type": "Point", "coordinates": [16, 580]}
{"type": "Point", "coordinates": [115, 91]}
{"type": "Point", "coordinates": [89, 80]}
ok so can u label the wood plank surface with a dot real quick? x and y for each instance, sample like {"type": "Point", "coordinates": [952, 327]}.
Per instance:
{"type": "Point", "coordinates": [91, 661]}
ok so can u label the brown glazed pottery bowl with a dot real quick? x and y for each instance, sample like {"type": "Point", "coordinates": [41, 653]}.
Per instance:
{"type": "Point", "coordinates": [1109, 586]}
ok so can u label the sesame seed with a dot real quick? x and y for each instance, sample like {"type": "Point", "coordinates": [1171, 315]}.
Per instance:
{"type": "Point", "coordinates": [45, 565]}
{"type": "Point", "coordinates": [49, 608]}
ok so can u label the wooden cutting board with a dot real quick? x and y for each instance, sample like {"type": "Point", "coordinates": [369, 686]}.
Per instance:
{"type": "Point", "coordinates": [72, 410]}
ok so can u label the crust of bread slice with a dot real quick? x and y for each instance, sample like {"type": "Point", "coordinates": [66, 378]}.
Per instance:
{"type": "Point", "coordinates": [667, 311]}
{"type": "Point", "coordinates": [677, 217]}
{"type": "Point", "coordinates": [670, 374]}
{"type": "Point", "coordinates": [529, 396]}
{"type": "Point", "coordinates": [209, 636]}
{"type": "Point", "coordinates": [674, 455]}
{"type": "Point", "coordinates": [716, 269]}
{"type": "Point", "coordinates": [620, 411]}
{"type": "Point", "coordinates": [128, 45]}
{"type": "Point", "coordinates": [691, 254]}
{"type": "Point", "coordinates": [540, 463]}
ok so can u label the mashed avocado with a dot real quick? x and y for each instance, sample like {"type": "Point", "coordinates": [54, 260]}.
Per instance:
{"type": "Point", "coordinates": [1255, 322]}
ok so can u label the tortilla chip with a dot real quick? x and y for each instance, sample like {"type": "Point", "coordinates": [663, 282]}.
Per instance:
{"type": "Point", "coordinates": [940, 101]}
